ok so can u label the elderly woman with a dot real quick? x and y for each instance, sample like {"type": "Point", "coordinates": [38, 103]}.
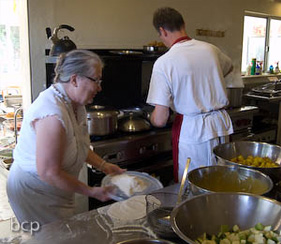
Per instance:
{"type": "Point", "coordinates": [54, 144]}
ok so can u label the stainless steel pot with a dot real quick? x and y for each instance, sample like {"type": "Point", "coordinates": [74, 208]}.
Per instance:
{"type": "Point", "coordinates": [234, 95]}
{"type": "Point", "coordinates": [102, 121]}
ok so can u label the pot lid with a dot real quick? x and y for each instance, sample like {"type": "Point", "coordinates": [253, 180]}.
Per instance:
{"type": "Point", "coordinates": [101, 114]}
{"type": "Point", "coordinates": [134, 124]}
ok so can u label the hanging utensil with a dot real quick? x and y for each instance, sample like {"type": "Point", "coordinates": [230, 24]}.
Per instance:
{"type": "Point", "coordinates": [183, 181]}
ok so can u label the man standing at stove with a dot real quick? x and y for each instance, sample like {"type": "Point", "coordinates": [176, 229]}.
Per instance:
{"type": "Point", "coordinates": [189, 79]}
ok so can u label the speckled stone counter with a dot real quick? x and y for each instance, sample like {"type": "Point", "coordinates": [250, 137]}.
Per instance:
{"type": "Point", "coordinates": [95, 227]}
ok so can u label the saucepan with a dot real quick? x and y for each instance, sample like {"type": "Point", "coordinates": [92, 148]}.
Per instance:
{"type": "Point", "coordinates": [102, 120]}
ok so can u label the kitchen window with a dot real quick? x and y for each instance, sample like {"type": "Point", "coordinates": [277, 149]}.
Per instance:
{"type": "Point", "coordinates": [14, 50]}
{"type": "Point", "coordinates": [261, 40]}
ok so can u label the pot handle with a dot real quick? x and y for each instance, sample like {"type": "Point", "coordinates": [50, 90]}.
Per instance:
{"type": "Point", "coordinates": [48, 32]}
{"type": "Point", "coordinates": [120, 114]}
{"type": "Point", "coordinates": [68, 27]}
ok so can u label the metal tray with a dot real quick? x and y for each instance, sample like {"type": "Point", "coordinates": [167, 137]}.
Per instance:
{"type": "Point", "coordinates": [152, 185]}
{"type": "Point", "coordinates": [269, 89]}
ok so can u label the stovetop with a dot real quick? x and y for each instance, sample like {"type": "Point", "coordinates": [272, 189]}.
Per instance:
{"type": "Point", "coordinates": [120, 135]}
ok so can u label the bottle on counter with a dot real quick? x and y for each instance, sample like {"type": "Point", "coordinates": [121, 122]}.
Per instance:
{"type": "Point", "coordinates": [258, 69]}
{"type": "Point", "coordinates": [253, 68]}
{"type": "Point", "coordinates": [276, 70]}
{"type": "Point", "coordinates": [248, 70]}
{"type": "Point", "coordinates": [261, 66]}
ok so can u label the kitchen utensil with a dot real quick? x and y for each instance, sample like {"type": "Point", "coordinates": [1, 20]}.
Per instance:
{"type": "Point", "coordinates": [60, 45]}
{"type": "Point", "coordinates": [226, 178]}
{"type": "Point", "coordinates": [207, 212]}
{"type": "Point", "coordinates": [183, 180]}
{"type": "Point", "coordinates": [152, 184]}
{"type": "Point", "coordinates": [145, 241]}
{"type": "Point", "coordinates": [159, 206]}
{"type": "Point", "coordinates": [225, 152]}
{"type": "Point", "coordinates": [102, 121]}
{"type": "Point", "coordinates": [133, 123]}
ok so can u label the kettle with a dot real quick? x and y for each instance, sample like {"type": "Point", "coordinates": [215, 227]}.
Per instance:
{"type": "Point", "coordinates": [60, 45]}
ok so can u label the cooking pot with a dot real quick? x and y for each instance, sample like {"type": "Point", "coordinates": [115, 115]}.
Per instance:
{"type": "Point", "coordinates": [60, 45]}
{"type": "Point", "coordinates": [102, 121]}
{"type": "Point", "coordinates": [234, 95]}
{"type": "Point", "coordinates": [133, 123]}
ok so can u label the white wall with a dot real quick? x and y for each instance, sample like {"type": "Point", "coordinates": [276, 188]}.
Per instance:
{"type": "Point", "coordinates": [128, 24]}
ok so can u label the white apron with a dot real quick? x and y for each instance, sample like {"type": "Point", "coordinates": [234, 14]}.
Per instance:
{"type": "Point", "coordinates": [35, 200]}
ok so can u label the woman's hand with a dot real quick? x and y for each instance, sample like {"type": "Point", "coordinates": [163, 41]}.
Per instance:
{"type": "Point", "coordinates": [110, 168]}
{"type": "Point", "coordinates": [101, 193]}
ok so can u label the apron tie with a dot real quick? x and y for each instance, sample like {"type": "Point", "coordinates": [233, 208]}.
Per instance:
{"type": "Point", "coordinates": [176, 129]}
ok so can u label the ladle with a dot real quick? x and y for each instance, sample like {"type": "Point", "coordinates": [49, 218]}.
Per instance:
{"type": "Point", "coordinates": [183, 180]}
{"type": "Point", "coordinates": [181, 187]}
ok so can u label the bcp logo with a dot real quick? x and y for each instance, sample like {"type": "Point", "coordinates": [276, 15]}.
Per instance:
{"type": "Point", "coordinates": [25, 226]}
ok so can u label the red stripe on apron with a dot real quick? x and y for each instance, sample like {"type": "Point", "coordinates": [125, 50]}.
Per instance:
{"type": "Point", "coordinates": [176, 129]}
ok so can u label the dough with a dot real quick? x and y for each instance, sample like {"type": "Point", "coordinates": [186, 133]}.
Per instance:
{"type": "Point", "coordinates": [133, 208]}
{"type": "Point", "coordinates": [128, 184]}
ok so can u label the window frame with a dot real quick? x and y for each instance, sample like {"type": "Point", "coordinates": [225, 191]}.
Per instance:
{"type": "Point", "coordinates": [267, 34]}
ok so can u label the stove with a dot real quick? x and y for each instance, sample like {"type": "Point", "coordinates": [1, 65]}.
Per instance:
{"type": "Point", "coordinates": [126, 149]}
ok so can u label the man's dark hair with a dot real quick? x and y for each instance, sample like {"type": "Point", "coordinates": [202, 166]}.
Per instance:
{"type": "Point", "coordinates": [168, 18]}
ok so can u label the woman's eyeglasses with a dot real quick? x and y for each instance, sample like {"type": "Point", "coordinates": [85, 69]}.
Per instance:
{"type": "Point", "coordinates": [98, 81]}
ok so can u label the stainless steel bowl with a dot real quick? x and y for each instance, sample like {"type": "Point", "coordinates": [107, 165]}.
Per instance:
{"type": "Point", "coordinates": [225, 152]}
{"type": "Point", "coordinates": [145, 241]}
{"type": "Point", "coordinates": [226, 178]}
{"type": "Point", "coordinates": [207, 212]}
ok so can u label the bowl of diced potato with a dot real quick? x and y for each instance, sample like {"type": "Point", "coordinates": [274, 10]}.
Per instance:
{"type": "Point", "coordinates": [228, 218]}
{"type": "Point", "coordinates": [261, 156]}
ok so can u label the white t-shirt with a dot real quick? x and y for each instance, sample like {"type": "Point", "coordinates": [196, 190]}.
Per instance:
{"type": "Point", "coordinates": [189, 79]}
{"type": "Point", "coordinates": [51, 102]}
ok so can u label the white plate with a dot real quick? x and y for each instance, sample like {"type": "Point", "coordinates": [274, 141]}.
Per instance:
{"type": "Point", "coordinates": [152, 185]}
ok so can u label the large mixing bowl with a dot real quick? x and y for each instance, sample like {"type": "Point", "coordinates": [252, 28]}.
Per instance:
{"type": "Point", "coordinates": [225, 152]}
{"type": "Point", "coordinates": [207, 212]}
{"type": "Point", "coordinates": [226, 178]}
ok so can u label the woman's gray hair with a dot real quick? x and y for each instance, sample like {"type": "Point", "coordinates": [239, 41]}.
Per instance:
{"type": "Point", "coordinates": [79, 62]}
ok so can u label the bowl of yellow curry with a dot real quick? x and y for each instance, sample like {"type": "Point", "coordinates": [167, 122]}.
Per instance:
{"type": "Point", "coordinates": [260, 156]}
{"type": "Point", "coordinates": [228, 178]}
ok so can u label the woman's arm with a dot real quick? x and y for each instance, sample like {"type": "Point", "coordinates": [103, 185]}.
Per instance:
{"type": "Point", "coordinates": [100, 164]}
{"type": "Point", "coordinates": [50, 148]}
